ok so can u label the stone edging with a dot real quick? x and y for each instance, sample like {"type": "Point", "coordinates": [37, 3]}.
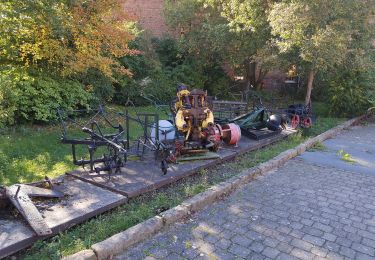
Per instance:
{"type": "Point", "coordinates": [123, 240]}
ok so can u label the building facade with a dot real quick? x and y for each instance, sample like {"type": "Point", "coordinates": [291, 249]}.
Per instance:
{"type": "Point", "coordinates": [150, 15]}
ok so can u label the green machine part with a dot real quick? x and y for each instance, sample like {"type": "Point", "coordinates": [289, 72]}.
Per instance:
{"type": "Point", "coordinates": [257, 119]}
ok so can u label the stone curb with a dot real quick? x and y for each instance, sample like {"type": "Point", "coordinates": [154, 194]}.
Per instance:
{"type": "Point", "coordinates": [119, 242]}
{"type": "Point", "coordinates": [123, 240]}
{"type": "Point", "coordinates": [87, 254]}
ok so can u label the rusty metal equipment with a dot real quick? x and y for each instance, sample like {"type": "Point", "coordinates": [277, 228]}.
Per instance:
{"type": "Point", "coordinates": [194, 121]}
{"type": "Point", "coordinates": [258, 123]}
{"type": "Point", "coordinates": [96, 132]}
{"type": "Point", "coordinates": [155, 136]}
{"type": "Point", "coordinates": [300, 115]}
{"type": "Point", "coordinates": [227, 110]}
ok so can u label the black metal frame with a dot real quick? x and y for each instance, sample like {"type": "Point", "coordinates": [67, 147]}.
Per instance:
{"type": "Point", "coordinates": [145, 142]}
{"type": "Point", "coordinates": [115, 143]}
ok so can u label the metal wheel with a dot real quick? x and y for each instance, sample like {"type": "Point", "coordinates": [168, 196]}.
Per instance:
{"type": "Point", "coordinates": [294, 121]}
{"type": "Point", "coordinates": [306, 122]}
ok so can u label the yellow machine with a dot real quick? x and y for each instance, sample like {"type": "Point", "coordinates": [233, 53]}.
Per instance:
{"type": "Point", "coordinates": [195, 121]}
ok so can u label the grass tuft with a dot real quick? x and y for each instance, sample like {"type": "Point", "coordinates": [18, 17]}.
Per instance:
{"type": "Point", "coordinates": [346, 157]}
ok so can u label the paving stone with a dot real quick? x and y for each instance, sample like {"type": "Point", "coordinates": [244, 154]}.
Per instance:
{"type": "Point", "coordinates": [299, 211]}
{"type": "Point", "coordinates": [301, 254]}
{"type": "Point", "coordinates": [334, 256]}
{"type": "Point", "coordinates": [313, 240]}
{"type": "Point", "coordinates": [360, 256]}
{"type": "Point", "coordinates": [323, 227]}
{"type": "Point", "coordinates": [256, 247]}
{"type": "Point", "coordinates": [312, 231]}
{"type": "Point", "coordinates": [348, 252]}
{"type": "Point", "coordinates": [368, 242]}
{"type": "Point", "coordinates": [319, 251]}
{"type": "Point", "coordinates": [363, 249]}
{"type": "Point", "coordinates": [329, 237]}
{"type": "Point", "coordinates": [238, 250]}
{"type": "Point", "coordinates": [270, 242]}
{"type": "Point", "coordinates": [256, 256]}
{"type": "Point", "coordinates": [270, 252]}
{"type": "Point", "coordinates": [301, 244]}
{"type": "Point", "coordinates": [284, 256]}
{"type": "Point", "coordinates": [223, 243]}
{"type": "Point", "coordinates": [284, 247]}
{"type": "Point", "coordinates": [241, 240]}
{"type": "Point", "coordinates": [331, 246]}
{"type": "Point", "coordinates": [344, 241]}
{"type": "Point", "coordinates": [189, 253]}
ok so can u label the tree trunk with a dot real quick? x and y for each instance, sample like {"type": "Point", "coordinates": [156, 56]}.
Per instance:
{"type": "Point", "coordinates": [262, 74]}
{"type": "Point", "coordinates": [253, 77]}
{"type": "Point", "coordinates": [309, 86]}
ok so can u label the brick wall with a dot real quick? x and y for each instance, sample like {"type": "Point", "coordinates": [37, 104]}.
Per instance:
{"type": "Point", "coordinates": [150, 15]}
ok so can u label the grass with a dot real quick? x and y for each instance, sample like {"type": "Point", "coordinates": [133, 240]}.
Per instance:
{"type": "Point", "coordinates": [318, 147]}
{"type": "Point", "coordinates": [148, 205]}
{"type": "Point", "coordinates": [29, 153]}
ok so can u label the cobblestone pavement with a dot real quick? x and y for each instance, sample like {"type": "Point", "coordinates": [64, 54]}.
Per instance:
{"type": "Point", "coordinates": [299, 211]}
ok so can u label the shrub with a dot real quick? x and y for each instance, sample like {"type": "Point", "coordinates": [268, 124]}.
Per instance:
{"type": "Point", "coordinates": [35, 97]}
{"type": "Point", "coordinates": [350, 93]}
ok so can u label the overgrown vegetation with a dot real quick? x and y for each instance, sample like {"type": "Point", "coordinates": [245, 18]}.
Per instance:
{"type": "Point", "coordinates": [324, 40]}
{"type": "Point", "coordinates": [75, 53]}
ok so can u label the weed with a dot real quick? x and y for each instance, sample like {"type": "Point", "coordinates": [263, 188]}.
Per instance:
{"type": "Point", "coordinates": [318, 147]}
{"type": "Point", "coordinates": [346, 157]}
{"type": "Point", "coordinates": [147, 253]}
{"type": "Point", "coordinates": [188, 244]}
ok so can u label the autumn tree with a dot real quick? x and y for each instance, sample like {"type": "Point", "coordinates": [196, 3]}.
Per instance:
{"type": "Point", "coordinates": [49, 45]}
{"type": "Point", "coordinates": [70, 36]}
{"type": "Point", "coordinates": [322, 32]}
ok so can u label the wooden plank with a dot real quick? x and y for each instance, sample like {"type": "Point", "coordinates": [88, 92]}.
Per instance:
{"type": "Point", "coordinates": [83, 201]}
{"type": "Point", "coordinates": [28, 210]}
{"type": "Point", "coordinates": [33, 191]}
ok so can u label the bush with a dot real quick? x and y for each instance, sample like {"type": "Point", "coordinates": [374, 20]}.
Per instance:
{"type": "Point", "coordinates": [157, 71]}
{"type": "Point", "coordinates": [35, 97]}
{"type": "Point", "coordinates": [351, 93]}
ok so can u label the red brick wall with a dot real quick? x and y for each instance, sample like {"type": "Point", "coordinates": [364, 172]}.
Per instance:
{"type": "Point", "coordinates": [150, 15]}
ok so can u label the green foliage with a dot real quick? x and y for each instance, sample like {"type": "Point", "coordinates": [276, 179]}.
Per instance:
{"type": "Point", "coordinates": [327, 35]}
{"type": "Point", "coordinates": [350, 93]}
{"type": "Point", "coordinates": [57, 53]}
{"type": "Point", "coordinates": [346, 157]}
{"type": "Point", "coordinates": [164, 63]}
{"type": "Point", "coordinates": [26, 96]}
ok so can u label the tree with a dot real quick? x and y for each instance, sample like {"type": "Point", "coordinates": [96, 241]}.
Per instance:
{"type": "Point", "coordinates": [48, 49]}
{"type": "Point", "coordinates": [322, 31]}
{"type": "Point", "coordinates": [67, 36]}
{"type": "Point", "coordinates": [234, 31]}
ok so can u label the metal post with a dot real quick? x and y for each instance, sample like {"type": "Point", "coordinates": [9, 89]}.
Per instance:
{"type": "Point", "coordinates": [157, 127]}
{"type": "Point", "coordinates": [127, 129]}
